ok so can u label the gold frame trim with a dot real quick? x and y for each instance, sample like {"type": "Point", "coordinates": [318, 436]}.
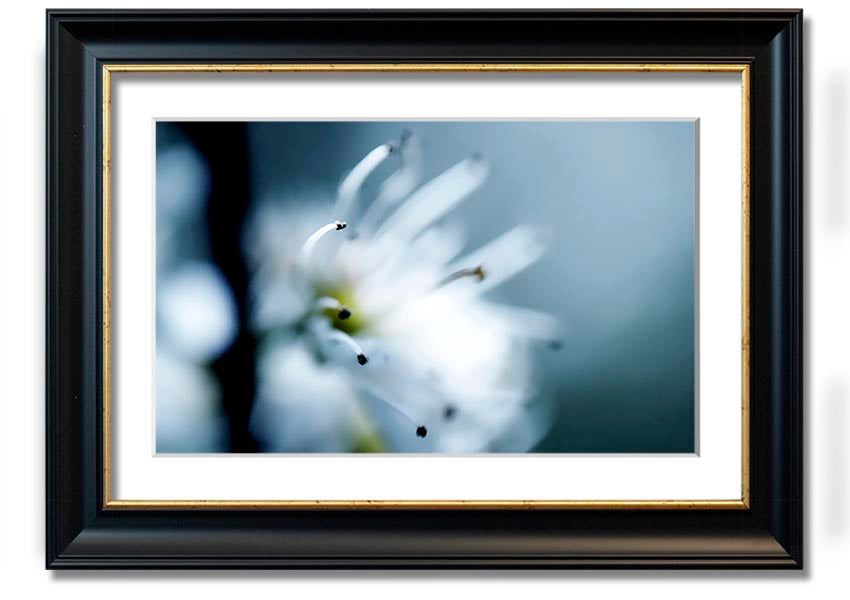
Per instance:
{"type": "Point", "coordinates": [736, 504]}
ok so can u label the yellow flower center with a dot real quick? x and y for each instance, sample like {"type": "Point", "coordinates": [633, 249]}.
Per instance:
{"type": "Point", "coordinates": [348, 319]}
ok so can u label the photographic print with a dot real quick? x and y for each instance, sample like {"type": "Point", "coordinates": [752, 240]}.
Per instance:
{"type": "Point", "coordinates": [377, 299]}
{"type": "Point", "coordinates": [426, 286]}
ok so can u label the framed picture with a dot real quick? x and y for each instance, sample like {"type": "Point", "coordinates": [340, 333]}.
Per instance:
{"type": "Point", "coordinates": [452, 289]}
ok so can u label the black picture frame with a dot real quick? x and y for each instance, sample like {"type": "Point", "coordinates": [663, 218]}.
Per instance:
{"type": "Point", "coordinates": [82, 533]}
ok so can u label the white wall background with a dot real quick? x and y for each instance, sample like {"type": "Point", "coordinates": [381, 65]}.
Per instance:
{"type": "Point", "coordinates": [827, 221]}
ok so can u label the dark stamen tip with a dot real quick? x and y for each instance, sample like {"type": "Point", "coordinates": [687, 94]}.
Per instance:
{"type": "Point", "coordinates": [343, 313]}
{"type": "Point", "coordinates": [479, 272]}
{"type": "Point", "coordinates": [340, 225]}
{"type": "Point", "coordinates": [449, 412]}
{"type": "Point", "coordinates": [361, 358]}
{"type": "Point", "coordinates": [421, 431]}
{"type": "Point", "coordinates": [555, 345]}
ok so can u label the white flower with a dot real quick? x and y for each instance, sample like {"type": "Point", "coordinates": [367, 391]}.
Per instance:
{"type": "Point", "coordinates": [196, 314]}
{"type": "Point", "coordinates": [378, 334]}
{"type": "Point", "coordinates": [187, 399]}
{"type": "Point", "coordinates": [197, 311]}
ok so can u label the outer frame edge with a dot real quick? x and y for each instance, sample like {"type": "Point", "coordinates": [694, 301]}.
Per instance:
{"type": "Point", "coordinates": [56, 557]}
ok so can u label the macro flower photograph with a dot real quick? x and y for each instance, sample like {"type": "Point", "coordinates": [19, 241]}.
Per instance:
{"type": "Point", "coordinates": [446, 287]}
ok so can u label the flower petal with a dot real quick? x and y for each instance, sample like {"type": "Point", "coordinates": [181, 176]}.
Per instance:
{"type": "Point", "coordinates": [398, 185]}
{"type": "Point", "coordinates": [504, 257]}
{"type": "Point", "coordinates": [301, 405]}
{"type": "Point", "coordinates": [350, 187]}
{"type": "Point", "coordinates": [434, 199]}
{"type": "Point", "coordinates": [524, 322]}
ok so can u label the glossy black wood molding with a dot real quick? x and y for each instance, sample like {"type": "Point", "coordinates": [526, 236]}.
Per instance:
{"type": "Point", "coordinates": [81, 534]}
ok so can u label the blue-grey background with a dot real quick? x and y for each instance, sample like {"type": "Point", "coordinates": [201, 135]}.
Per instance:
{"type": "Point", "coordinates": [619, 200]}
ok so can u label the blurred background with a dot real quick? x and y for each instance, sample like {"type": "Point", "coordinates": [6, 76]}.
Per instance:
{"type": "Point", "coordinates": [618, 201]}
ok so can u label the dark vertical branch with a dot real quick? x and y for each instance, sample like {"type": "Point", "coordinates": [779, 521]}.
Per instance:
{"type": "Point", "coordinates": [225, 147]}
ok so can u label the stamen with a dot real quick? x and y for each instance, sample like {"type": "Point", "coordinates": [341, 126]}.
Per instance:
{"type": "Point", "coordinates": [309, 247]}
{"type": "Point", "coordinates": [376, 394]}
{"type": "Point", "coordinates": [327, 303]}
{"type": "Point", "coordinates": [477, 272]}
{"type": "Point", "coordinates": [350, 187]}
{"type": "Point", "coordinates": [341, 337]}
{"type": "Point", "coordinates": [507, 255]}
{"type": "Point", "coordinates": [398, 185]}
{"type": "Point", "coordinates": [421, 431]}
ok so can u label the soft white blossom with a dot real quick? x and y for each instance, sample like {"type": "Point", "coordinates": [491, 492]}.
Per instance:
{"type": "Point", "coordinates": [188, 417]}
{"type": "Point", "coordinates": [196, 316]}
{"type": "Point", "coordinates": [196, 310]}
{"type": "Point", "coordinates": [377, 331]}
